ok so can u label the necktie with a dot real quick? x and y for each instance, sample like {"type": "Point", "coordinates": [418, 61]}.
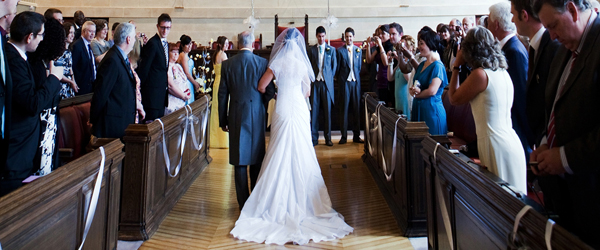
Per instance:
{"type": "Point", "coordinates": [93, 62]}
{"type": "Point", "coordinates": [321, 58]}
{"type": "Point", "coordinates": [166, 48]}
{"type": "Point", "coordinates": [551, 127]}
{"type": "Point", "coordinates": [530, 68]}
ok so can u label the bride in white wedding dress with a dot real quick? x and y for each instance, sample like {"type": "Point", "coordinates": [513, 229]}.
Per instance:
{"type": "Point", "coordinates": [290, 202]}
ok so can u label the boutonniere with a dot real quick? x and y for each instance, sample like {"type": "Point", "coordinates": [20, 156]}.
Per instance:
{"type": "Point", "coordinates": [327, 49]}
{"type": "Point", "coordinates": [357, 50]}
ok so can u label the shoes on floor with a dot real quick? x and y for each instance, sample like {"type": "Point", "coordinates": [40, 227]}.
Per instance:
{"type": "Point", "coordinates": [358, 140]}
{"type": "Point", "coordinates": [343, 141]}
{"type": "Point", "coordinates": [329, 143]}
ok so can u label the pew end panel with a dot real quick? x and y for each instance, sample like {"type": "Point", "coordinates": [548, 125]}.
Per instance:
{"type": "Point", "coordinates": [149, 191]}
{"type": "Point", "coordinates": [402, 182]}
{"type": "Point", "coordinates": [470, 208]}
{"type": "Point", "coordinates": [53, 214]}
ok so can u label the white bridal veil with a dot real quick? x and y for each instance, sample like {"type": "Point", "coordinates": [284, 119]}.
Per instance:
{"type": "Point", "coordinates": [289, 56]}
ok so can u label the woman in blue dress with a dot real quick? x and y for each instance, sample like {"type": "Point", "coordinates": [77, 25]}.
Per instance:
{"type": "Point", "coordinates": [395, 75]}
{"type": "Point", "coordinates": [431, 76]}
{"type": "Point", "coordinates": [187, 63]}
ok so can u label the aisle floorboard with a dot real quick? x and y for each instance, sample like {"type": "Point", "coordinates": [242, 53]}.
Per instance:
{"type": "Point", "coordinates": [207, 212]}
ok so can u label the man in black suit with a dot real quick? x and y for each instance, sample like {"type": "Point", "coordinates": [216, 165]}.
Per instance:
{"type": "Point", "coordinates": [152, 70]}
{"type": "Point", "coordinates": [503, 29]}
{"type": "Point", "coordinates": [244, 118]}
{"type": "Point", "coordinates": [28, 101]}
{"type": "Point", "coordinates": [84, 65]}
{"type": "Point", "coordinates": [79, 19]}
{"type": "Point", "coordinates": [324, 62]}
{"type": "Point", "coordinates": [114, 103]}
{"type": "Point", "coordinates": [349, 58]}
{"type": "Point", "coordinates": [570, 149]}
{"type": "Point", "coordinates": [6, 8]}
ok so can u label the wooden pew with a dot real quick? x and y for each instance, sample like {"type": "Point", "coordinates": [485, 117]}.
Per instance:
{"type": "Point", "coordinates": [74, 130]}
{"type": "Point", "coordinates": [404, 185]}
{"type": "Point", "coordinates": [50, 212]}
{"type": "Point", "coordinates": [149, 193]}
{"type": "Point", "coordinates": [471, 208]}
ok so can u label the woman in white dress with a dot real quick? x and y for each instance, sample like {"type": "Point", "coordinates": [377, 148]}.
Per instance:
{"type": "Point", "coordinates": [290, 202]}
{"type": "Point", "coordinates": [179, 90]}
{"type": "Point", "coordinates": [489, 89]}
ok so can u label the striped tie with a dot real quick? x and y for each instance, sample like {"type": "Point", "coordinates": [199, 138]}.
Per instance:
{"type": "Point", "coordinates": [166, 47]}
{"type": "Point", "coordinates": [551, 127]}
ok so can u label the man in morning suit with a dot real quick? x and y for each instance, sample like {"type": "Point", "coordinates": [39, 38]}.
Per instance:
{"type": "Point", "coordinates": [570, 148]}
{"type": "Point", "coordinates": [152, 70]}
{"type": "Point", "coordinates": [7, 7]}
{"type": "Point", "coordinates": [503, 29]}
{"type": "Point", "coordinates": [84, 65]}
{"type": "Point", "coordinates": [244, 116]}
{"type": "Point", "coordinates": [28, 101]}
{"type": "Point", "coordinates": [324, 62]}
{"type": "Point", "coordinates": [114, 103]}
{"type": "Point", "coordinates": [349, 58]}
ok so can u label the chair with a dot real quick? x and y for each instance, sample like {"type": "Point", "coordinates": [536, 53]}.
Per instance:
{"type": "Point", "coordinates": [302, 29]}
{"type": "Point", "coordinates": [258, 42]}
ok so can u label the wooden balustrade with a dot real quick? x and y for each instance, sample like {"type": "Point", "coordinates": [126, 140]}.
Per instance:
{"type": "Point", "coordinates": [50, 212]}
{"type": "Point", "coordinates": [404, 186]}
{"type": "Point", "coordinates": [149, 193]}
{"type": "Point", "coordinates": [468, 207]}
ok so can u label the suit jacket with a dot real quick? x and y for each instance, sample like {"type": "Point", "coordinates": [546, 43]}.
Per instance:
{"type": "Point", "coordinates": [113, 104]}
{"type": "Point", "coordinates": [152, 70]}
{"type": "Point", "coordinates": [536, 88]}
{"type": "Point", "coordinates": [241, 107]}
{"type": "Point", "coordinates": [77, 33]}
{"type": "Point", "coordinates": [329, 66]}
{"type": "Point", "coordinates": [83, 68]}
{"type": "Point", "coordinates": [517, 60]}
{"type": "Point", "coordinates": [6, 94]}
{"type": "Point", "coordinates": [28, 101]}
{"type": "Point", "coordinates": [344, 63]}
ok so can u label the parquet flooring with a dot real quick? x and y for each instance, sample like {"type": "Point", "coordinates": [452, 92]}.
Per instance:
{"type": "Point", "coordinates": [207, 212]}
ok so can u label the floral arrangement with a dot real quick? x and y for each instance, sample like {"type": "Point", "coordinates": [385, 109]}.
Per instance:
{"type": "Point", "coordinates": [204, 73]}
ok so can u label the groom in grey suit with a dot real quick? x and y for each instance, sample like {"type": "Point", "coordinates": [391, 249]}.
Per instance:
{"type": "Point", "coordinates": [242, 113]}
{"type": "Point", "coordinates": [324, 63]}
{"type": "Point", "coordinates": [350, 61]}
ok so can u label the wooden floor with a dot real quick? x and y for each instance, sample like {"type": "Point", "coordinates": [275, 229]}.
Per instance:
{"type": "Point", "coordinates": [208, 211]}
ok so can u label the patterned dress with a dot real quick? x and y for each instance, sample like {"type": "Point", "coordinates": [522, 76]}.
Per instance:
{"type": "Point", "coordinates": [67, 61]}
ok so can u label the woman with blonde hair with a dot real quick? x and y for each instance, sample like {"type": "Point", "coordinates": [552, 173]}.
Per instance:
{"type": "Point", "coordinates": [489, 89]}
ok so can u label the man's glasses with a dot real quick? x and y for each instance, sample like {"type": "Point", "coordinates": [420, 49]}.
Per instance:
{"type": "Point", "coordinates": [164, 27]}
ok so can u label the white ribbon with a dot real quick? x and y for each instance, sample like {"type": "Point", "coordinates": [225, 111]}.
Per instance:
{"type": "Point", "coordinates": [192, 119]}
{"type": "Point", "coordinates": [549, 227]}
{"type": "Point", "coordinates": [380, 140]}
{"type": "Point", "coordinates": [94, 201]}
{"type": "Point", "coordinates": [181, 146]}
{"type": "Point", "coordinates": [442, 202]}
{"type": "Point", "coordinates": [368, 129]}
{"type": "Point", "coordinates": [513, 236]}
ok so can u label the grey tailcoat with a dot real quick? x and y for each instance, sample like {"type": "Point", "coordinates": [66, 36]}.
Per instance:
{"type": "Point", "coordinates": [329, 66]}
{"type": "Point", "coordinates": [242, 107]}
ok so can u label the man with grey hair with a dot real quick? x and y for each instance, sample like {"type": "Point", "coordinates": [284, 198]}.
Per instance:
{"type": "Point", "coordinates": [114, 102]}
{"type": "Point", "coordinates": [244, 117]}
{"type": "Point", "coordinates": [468, 23]}
{"type": "Point", "coordinates": [84, 65]}
{"type": "Point", "coordinates": [501, 26]}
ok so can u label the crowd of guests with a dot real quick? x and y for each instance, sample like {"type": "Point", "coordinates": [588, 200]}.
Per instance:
{"type": "Point", "coordinates": [527, 70]}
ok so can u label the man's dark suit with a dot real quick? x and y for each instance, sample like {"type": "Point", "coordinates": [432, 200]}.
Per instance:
{"type": "Point", "coordinates": [83, 67]}
{"type": "Point", "coordinates": [152, 70]}
{"type": "Point", "coordinates": [242, 109]}
{"type": "Point", "coordinates": [322, 95]}
{"type": "Point", "coordinates": [5, 104]}
{"type": "Point", "coordinates": [113, 104]}
{"type": "Point", "coordinates": [77, 33]}
{"type": "Point", "coordinates": [577, 129]}
{"type": "Point", "coordinates": [517, 60]}
{"type": "Point", "coordinates": [350, 89]}
{"type": "Point", "coordinates": [28, 101]}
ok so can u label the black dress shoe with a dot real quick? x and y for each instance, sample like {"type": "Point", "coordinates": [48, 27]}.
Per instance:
{"type": "Point", "coordinates": [358, 140]}
{"type": "Point", "coordinates": [329, 143]}
{"type": "Point", "coordinates": [343, 141]}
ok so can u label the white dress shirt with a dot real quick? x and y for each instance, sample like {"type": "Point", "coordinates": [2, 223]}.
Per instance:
{"type": "Point", "coordinates": [350, 54]}
{"type": "Point", "coordinates": [321, 59]}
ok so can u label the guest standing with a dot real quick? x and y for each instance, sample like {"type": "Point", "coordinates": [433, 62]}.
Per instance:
{"type": "Point", "coordinates": [380, 57]}
{"type": "Point", "coordinates": [324, 63]}
{"type": "Point", "coordinates": [152, 70]}
{"type": "Point", "coordinates": [218, 138]}
{"type": "Point", "coordinates": [489, 90]}
{"type": "Point", "coordinates": [79, 19]}
{"type": "Point", "coordinates": [84, 64]}
{"type": "Point", "coordinates": [69, 87]}
{"type": "Point", "coordinates": [113, 105]}
{"type": "Point", "coordinates": [27, 100]}
{"type": "Point", "coordinates": [395, 74]}
{"type": "Point", "coordinates": [431, 75]}
{"type": "Point", "coordinates": [99, 45]}
{"type": "Point", "coordinates": [187, 63]}
{"type": "Point", "coordinates": [349, 59]}
{"type": "Point", "coordinates": [179, 89]}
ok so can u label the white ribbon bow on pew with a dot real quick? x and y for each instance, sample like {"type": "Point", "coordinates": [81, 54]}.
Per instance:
{"type": "Point", "coordinates": [181, 145]}
{"type": "Point", "coordinates": [94, 201]}
{"type": "Point", "coordinates": [192, 120]}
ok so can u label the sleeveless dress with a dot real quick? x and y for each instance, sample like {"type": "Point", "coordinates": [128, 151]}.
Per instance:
{"type": "Point", "coordinates": [176, 73]}
{"type": "Point", "coordinates": [290, 202]}
{"type": "Point", "coordinates": [431, 109]}
{"type": "Point", "coordinates": [191, 85]}
{"type": "Point", "coordinates": [499, 146]}
{"type": "Point", "coordinates": [218, 138]}
{"type": "Point", "coordinates": [401, 93]}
